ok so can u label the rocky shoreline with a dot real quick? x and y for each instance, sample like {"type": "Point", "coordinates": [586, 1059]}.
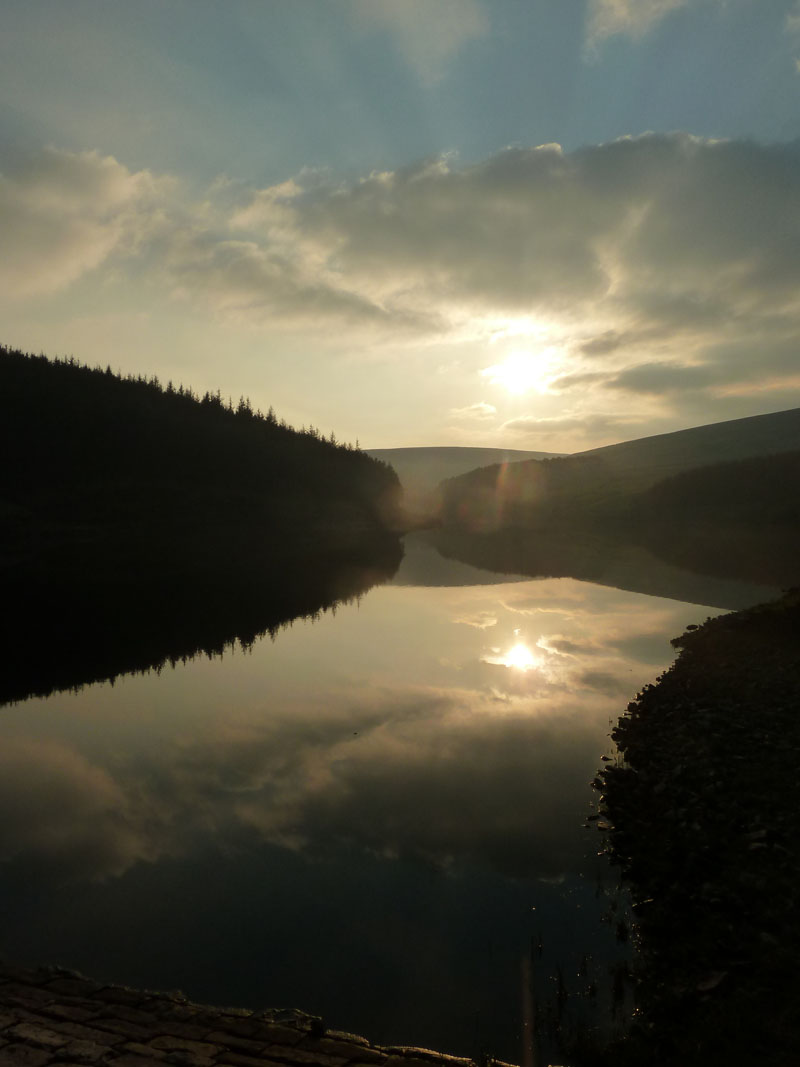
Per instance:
{"type": "Point", "coordinates": [51, 1016]}
{"type": "Point", "coordinates": [703, 817]}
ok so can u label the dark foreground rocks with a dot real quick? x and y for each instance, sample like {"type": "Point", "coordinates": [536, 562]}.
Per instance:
{"type": "Point", "coordinates": [704, 817]}
{"type": "Point", "coordinates": [51, 1016]}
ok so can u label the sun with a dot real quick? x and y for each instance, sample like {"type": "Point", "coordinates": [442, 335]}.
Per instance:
{"type": "Point", "coordinates": [521, 372]}
{"type": "Point", "coordinates": [520, 658]}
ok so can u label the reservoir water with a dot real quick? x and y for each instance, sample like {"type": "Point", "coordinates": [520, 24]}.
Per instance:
{"type": "Point", "coordinates": [377, 816]}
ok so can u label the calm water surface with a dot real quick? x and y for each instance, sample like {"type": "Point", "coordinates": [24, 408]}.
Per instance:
{"type": "Point", "coordinates": [372, 817]}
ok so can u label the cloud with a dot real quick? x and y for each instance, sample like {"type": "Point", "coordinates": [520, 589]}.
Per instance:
{"type": "Point", "coordinates": [793, 30]}
{"type": "Point", "coordinates": [587, 425]}
{"type": "Point", "coordinates": [575, 381]}
{"type": "Point", "coordinates": [606, 342]}
{"type": "Point", "coordinates": [658, 378]}
{"type": "Point", "coordinates": [64, 213]}
{"type": "Point", "coordinates": [665, 265]}
{"type": "Point", "coordinates": [429, 35]}
{"type": "Point", "coordinates": [480, 412]}
{"type": "Point", "coordinates": [606, 18]}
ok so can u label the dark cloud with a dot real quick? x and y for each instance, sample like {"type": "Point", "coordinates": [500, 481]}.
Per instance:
{"type": "Point", "coordinates": [601, 345]}
{"type": "Point", "coordinates": [606, 682]}
{"type": "Point", "coordinates": [589, 425]}
{"type": "Point", "coordinates": [576, 381]}
{"type": "Point", "coordinates": [658, 378]}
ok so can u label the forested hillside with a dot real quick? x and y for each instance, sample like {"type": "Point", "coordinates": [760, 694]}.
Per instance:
{"type": "Point", "coordinates": [95, 459]}
{"type": "Point", "coordinates": [740, 518]}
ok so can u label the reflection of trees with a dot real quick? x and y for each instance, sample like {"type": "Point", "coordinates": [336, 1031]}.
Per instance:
{"type": "Point", "coordinates": [140, 524]}
{"type": "Point", "coordinates": [67, 636]}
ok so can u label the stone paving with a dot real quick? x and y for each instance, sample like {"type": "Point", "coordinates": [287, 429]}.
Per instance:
{"type": "Point", "coordinates": [55, 1017]}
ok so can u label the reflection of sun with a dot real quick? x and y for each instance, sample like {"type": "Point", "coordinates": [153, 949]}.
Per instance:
{"type": "Point", "coordinates": [520, 657]}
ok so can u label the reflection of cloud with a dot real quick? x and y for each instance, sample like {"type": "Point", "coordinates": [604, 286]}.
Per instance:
{"type": "Point", "coordinates": [61, 809]}
{"type": "Point", "coordinates": [606, 682]}
{"type": "Point", "coordinates": [462, 787]}
{"type": "Point", "coordinates": [481, 620]}
{"type": "Point", "coordinates": [439, 776]}
{"type": "Point", "coordinates": [567, 646]}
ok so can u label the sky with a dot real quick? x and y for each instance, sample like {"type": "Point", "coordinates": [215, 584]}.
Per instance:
{"type": "Point", "coordinates": [541, 224]}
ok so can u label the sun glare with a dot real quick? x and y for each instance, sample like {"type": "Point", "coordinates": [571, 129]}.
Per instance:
{"type": "Point", "coordinates": [520, 658]}
{"type": "Point", "coordinates": [521, 372]}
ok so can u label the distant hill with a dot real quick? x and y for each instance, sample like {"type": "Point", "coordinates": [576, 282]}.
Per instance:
{"type": "Point", "coordinates": [649, 459]}
{"type": "Point", "coordinates": [422, 469]}
{"type": "Point", "coordinates": [720, 500]}
{"type": "Point", "coordinates": [539, 491]}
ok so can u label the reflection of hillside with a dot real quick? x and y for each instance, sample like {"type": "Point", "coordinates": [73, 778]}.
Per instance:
{"type": "Point", "coordinates": [593, 556]}
{"type": "Point", "coordinates": [63, 636]}
{"type": "Point", "coordinates": [424, 565]}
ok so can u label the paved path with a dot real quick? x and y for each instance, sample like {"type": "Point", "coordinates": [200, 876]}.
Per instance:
{"type": "Point", "coordinates": [55, 1017]}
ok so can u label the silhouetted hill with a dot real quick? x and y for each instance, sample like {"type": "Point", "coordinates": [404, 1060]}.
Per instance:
{"type": "Point", "coordinates": [596, 482]}
{"type": "Point", "coordinates": [422, 469]}
{"type": "Point", "coordinates": [736, 518]}
{"type": "Point", "coordinates": [741, 517]}
{"type": "Point", "coordinates": [98, 467]}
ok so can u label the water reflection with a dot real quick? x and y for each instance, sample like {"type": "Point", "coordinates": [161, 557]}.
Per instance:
{"type": "Point", "coordinates": [326, 819]}
{"type": "Point", "coordinates": [66, 635]}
